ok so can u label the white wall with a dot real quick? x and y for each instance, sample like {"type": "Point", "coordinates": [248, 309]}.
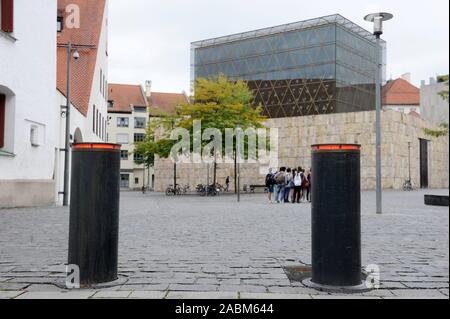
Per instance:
{"type": "Point", "coordinates": [28, 78]}
{"type": "Point", "coordinates": [406, 109]}
{"type": "Point", "coordinates": [434, 108]}
{"type": "Point", "coordinates": [78, 120]}
{"type": "Point", "coordinates": [129, 166]}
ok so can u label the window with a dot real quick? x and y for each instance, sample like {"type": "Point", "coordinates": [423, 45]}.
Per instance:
{"type": "Point", "coordinates": [110, 104]}
{"type": "Point", "coordinates": [124, 181]}
{"type": "Point", "coordinates": [139, 122]}
{"type": "Point", "coordinates": [140, 109]}
{"type": "Point", "coordinates": [2, 120]}
{"type": "Point", "coordinates": [102, 126]}
{"type": "Point", "coordinates": [138, 157]}
{"type": "Point", "coordinates": [101, 81]}
{"type": "Point", "coordinates": [122, 139]}
{"type": "Point", "coordinates": [96, 123]}
{"type": "Point", "coordinates": [60, 24]}
{"type": "Point", "coordinates": [136, 180]}
{"type": "Point", "coordinates": [93, 120]}
{"type": "Point", "coordinates": [139, 137]}
{"type": "Point", "coordinates": [124, 155]}
{"type": "Point", "coordinates": [122, 122]}
{"type": "Point", "coordinates": [7, 15]}
{"type": "Point", "coordinates": [34, 135]}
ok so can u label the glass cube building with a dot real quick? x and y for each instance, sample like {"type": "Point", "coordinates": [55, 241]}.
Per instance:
{"type": "Point", "coordinates": [319, 66]}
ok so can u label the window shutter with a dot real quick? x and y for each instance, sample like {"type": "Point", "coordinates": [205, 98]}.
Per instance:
{"type": "Point", "coordinates": [2, 120]}
{"type": "Point", "coordinates": [8, 15]}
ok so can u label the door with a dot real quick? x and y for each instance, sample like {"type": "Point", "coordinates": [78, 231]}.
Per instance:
{"type": "Point", "coordinates": [423, 163]}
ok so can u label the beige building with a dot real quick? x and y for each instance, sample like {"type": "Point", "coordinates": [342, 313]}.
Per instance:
{"type": "Point", "coordinates": [402, 96]}
{"type": "Point", "coordinates": [128, 116]}
{"type": "Point", "coordinates": [429, 156]}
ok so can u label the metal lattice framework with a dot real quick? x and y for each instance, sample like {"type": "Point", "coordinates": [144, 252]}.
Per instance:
{"type": "Point", "coordinates": [318, 66]}
{"type": "Point", "coordinates": [300, 25]}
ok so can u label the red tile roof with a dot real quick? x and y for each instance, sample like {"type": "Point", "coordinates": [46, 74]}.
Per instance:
{"type": "Point", "coordinates": [91, 19]}
{"type": "Point", "coordinates": [400, 92]}
{"type": "Point", "coordinates": [123, 96]}
{"type": "Point", "coordinates": [166, 102]}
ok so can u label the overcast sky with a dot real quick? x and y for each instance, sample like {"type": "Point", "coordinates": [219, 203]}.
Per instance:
{"type": "Point", "coordinates": [150, 39]}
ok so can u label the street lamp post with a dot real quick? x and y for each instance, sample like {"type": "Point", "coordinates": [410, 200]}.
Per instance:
{"type": "Point", "coordinates": [67, 137]}
{"type": "Point", "coordinates": [409, 162]}
{"type": "Point", "coordinates": [238, 162]}
{"type": "Point", "coordinates": [378, 19]}
{"type": "Point", "coordinates": [71, 48]}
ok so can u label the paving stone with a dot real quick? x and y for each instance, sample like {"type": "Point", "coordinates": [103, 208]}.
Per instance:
{"type": "Point", "coordinates": [202, 295]}
{"type": "Point", "coordinates": [202, 288]}
{"type": "Point", "coordinates": [42, 288]}
{"type": "Point", "coordinates": [417, 293]}
{"type": "Point", "coordinates": [273, 296]}
{"type": "Point", "coordinates": [81, 294]}
{"type": "Point", "coordinates": [204, 245]}
{"type": "Point", "coordinates": [293, 290]}
{"type": "Point", "coordinates": [9, 286]}
{"type": "Point", "coordinates": [147, 295]}
{"type": "Point", "coordinates": [444, 292]}
{"type": "Point", "coordinates": [112, 294]}
{"type": "Point", "coordinates": [427, 285]}
{"type": "Point", "coordinates": [10, 294]}
{"type": "Point", "coordinates": [243, 288]}
{"type": "Point", "coordinates": [344, 297]}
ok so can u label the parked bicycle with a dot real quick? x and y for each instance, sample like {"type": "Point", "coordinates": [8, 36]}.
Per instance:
{"type": "Point", "coordinates": [204, 190]}
{"type": "Point", "coordinates": [173, 191]}
{"type": "Point", "coordinates": [408, 186]}
{"type": "Point", "coordinates": [185, 189]}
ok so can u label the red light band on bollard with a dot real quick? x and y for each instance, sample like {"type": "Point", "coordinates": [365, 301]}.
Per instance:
{"type": "Point", "coordinates": [334, 147]}
{"type": "Point", "coordinates": [96, 146]}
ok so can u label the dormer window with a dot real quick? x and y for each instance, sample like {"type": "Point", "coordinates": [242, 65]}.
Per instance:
{"type": "Point", "coordinates": [140, 109]}
{"type": "Point", "coordinates": [111, 104]}
{"type": "Point", "coordinates": [60, 24]}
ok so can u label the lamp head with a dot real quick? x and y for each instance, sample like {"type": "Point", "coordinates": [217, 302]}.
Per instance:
{"type": "Point", "coordinates": [76, 55]}
{"type": "Point", "coordinates": [378, 19]}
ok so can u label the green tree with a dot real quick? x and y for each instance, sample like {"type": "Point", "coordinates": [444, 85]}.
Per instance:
{"type": "Point", "coordinates": [153, 146]}
{"type": "Point", "coordinates": [219, 104]}
{"type": "Point", "coordinates": [222, 104]}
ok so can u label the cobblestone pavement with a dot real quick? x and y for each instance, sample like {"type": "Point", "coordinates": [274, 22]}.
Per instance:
{"type": "Point", "coordinates": [191, 247]}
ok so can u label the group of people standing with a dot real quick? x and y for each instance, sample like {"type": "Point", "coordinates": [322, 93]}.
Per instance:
{"type": "Point", "coordinates": [289, 185]}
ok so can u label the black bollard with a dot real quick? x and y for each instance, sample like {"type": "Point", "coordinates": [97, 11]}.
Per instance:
{"type": "Point", "coordinates": [336, 215]}
{"type": "Point", "coordinates": [94, 212]}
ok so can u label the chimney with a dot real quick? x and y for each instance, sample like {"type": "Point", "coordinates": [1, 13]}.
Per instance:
{"type": "Point", "coordinates": [406, 77]}
{"type": "Point", "coordinates": [148, 88]}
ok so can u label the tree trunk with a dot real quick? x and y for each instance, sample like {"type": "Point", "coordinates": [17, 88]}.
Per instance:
{"type": "Point", "coordinates": [235, 172]}
{"type": "Point", "coordinates": [215, 172]}
{"type": "Point", "coordinates": [175, 175]}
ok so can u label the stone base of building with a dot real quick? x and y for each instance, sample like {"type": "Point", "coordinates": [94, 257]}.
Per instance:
{"type": "Point", "coordinates": [297, 134]}
{"type": "Point", "coordinates": [27, 193]}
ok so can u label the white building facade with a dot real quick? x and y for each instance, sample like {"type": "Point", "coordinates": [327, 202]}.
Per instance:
{"type": "Point", "coordinates": [89, 87]}
{"type": "Point", "coordinates": [127, 123]}
{"type": "Point", "coordinates": [28, 118]}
